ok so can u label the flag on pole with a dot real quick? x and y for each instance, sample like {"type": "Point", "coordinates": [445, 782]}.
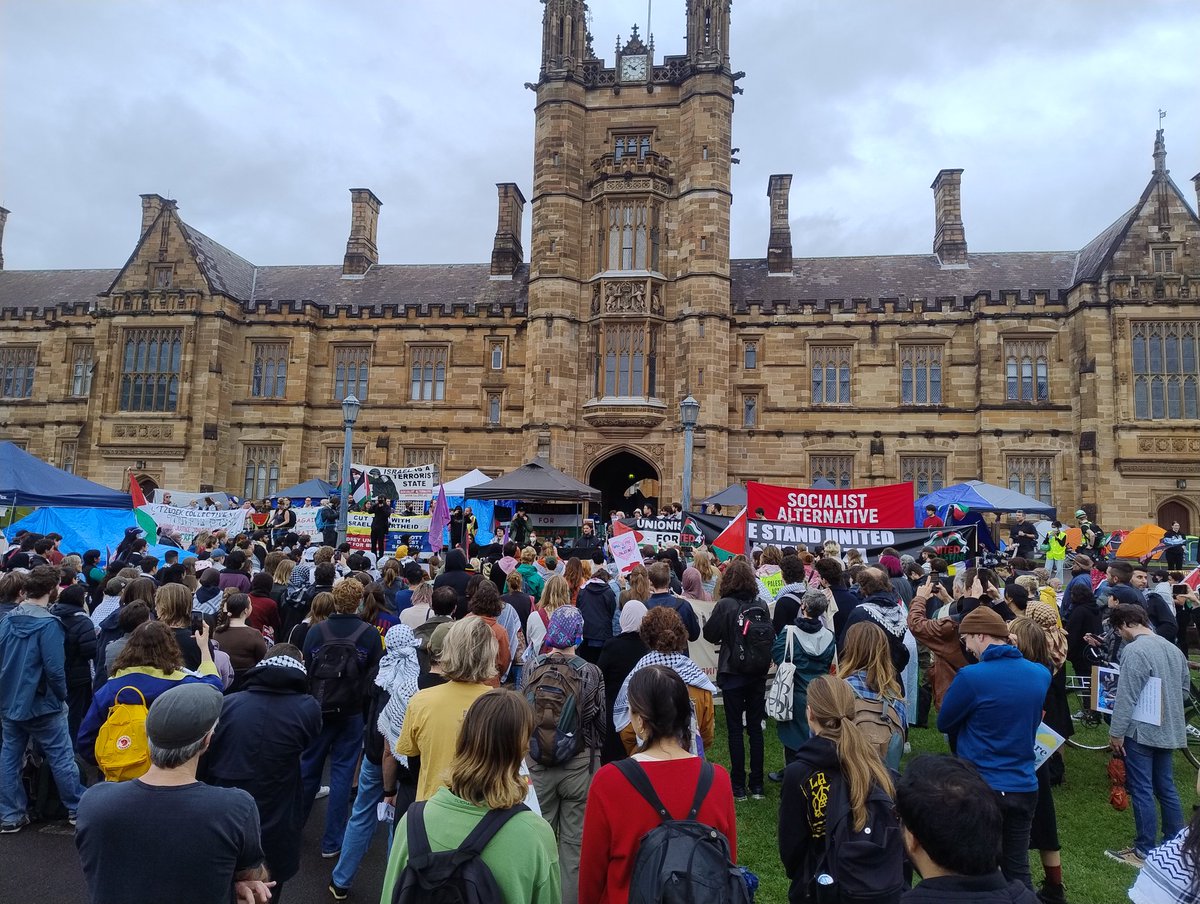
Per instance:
{"type": "Point", "coordinates": [143, 519]}
{"type": "Point", "coordinates": [362, 492]}
{"type": "Point", "coordinates": [439, 520]}
{"type": "Point", "coordinates": [732, 541]}
{"type": "Point", "coordinates": [1193, 579]}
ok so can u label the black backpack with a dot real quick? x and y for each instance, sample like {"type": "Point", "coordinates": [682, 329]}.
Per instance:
{"type": "Point", "coordinates": [751, 642]}
{"type": "Point", "coordinates": [457, 876]}
{"type": "Point", "coordinates": [336, 675]}
{"type": "Point", "coordinates": [867, 867]}
{"type": "Point", "coordinates": [682, 861]}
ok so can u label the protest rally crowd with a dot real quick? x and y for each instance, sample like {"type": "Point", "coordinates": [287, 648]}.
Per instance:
{"type": "Point", "coordinates": [525, 722]}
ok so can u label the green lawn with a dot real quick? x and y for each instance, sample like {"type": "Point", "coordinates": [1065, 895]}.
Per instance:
{"type": "Point", "coordinates": [1086, 823]}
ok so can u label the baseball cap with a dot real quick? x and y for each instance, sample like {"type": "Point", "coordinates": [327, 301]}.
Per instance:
{"type": "Point", "coordinates": [183, 715]}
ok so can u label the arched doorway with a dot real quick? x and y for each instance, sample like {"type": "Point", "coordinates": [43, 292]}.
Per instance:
{"type": "Point", "coordinates": [147, 483]}
{"type": "Point", "coordinates": [615, 474]}
{"type": "Point", "coordinates": [1173, 510]}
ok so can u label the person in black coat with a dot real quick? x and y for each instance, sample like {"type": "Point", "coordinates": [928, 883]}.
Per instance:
{"type": "Point", "coordinates": [1086, 618]}
{"type": "Point", "coordinates": [263, 730]}
{"type": "Point", "coordinates": [598, 604]}
{"type": "Point", "coordinates": [616, 662]}
{"type": "Point", "coordinates": [457, 576]}
{"type": "Point", "coordinates": [71, 609]}
{"type": "Point", "coordinates": [881, 606]}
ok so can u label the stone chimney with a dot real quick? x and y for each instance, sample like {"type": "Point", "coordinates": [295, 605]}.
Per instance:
{"type": "Point", "coordinates": [507, 254]}
{"type": "Point", "coordinates": [361, 252]}
{"type": "Point", "coordinates": [4, 219]}
{"type": "Point", "coordinates": [779, 245]}
{"type": "Point", "coordinates": [949, 237]}
{"type": "Point", "coordinates": [152, 205]}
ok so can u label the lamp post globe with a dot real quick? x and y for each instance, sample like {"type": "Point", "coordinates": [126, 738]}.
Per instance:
{"type": "Point", "coordinates": [351, 406]}
{"type": "Point", "coordinates": [689, 414]}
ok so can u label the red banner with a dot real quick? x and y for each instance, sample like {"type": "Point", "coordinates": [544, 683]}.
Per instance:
{"type": "Point", "coordinates": [889, 506]}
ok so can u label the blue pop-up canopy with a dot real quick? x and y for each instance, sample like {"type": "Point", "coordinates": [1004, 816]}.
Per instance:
{"type": "Point", "coordinates": [978, 496]}
{"type": "Point", "coordinates": [26, 480]}
{"type": "Point", "coordinates": [83, 529]}
{"type": "Point", "coordinates": [314, 489]}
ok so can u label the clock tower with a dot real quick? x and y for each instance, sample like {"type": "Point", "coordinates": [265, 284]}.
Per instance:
{"type": "Point", "coordinates": [629, 272]}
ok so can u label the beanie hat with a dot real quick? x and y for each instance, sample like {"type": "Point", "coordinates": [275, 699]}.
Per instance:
{"type": "Point", "coordinates": [982, 620]}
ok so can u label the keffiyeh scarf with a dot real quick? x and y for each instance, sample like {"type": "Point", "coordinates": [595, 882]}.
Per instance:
{"type": "Point", "coordinates": [680, 664]}
{"type": "Point", "coordinates": [398, 672]}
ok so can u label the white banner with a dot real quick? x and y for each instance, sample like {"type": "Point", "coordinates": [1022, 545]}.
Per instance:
{"type": "Point", "coordinates": [182, 524]}
{"type": "Point", "coordinates": [397, 484]}
{"type": "Point", "coordinates": [568, 520]}
{"type": "Point", "coordinates": [306, 520]}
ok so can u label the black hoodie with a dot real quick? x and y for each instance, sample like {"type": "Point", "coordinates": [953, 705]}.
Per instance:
{"type": "Point", "coordinates": [1085, 618]}
{"type": "Point", "coordinates": [457, 576]}
{"type": "Point", "coordinates": [81, 639]}
{"type": "Point", "coordinates": [597, 604]}
{"type": "Point", "coordinates": [805, 797]}
{"type": "Point", "coordinates": [991, 889]}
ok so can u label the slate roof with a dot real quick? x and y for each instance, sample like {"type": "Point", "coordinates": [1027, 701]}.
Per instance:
{"type": "Point", "coordinates": [385, 285]}
{"type": "Point", "coordinates": [52, 288]}
{"type": "Point", "coordinates": [228, 273]}
{"type": "Point", "coordinates": [913, 275]}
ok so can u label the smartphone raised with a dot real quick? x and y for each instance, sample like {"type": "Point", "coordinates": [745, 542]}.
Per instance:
{"type": "Point", "coordinates": [1181, 590]}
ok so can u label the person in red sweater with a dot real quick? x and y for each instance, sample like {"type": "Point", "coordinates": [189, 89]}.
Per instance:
{"type": "Point", "coordinates": [618, 816]}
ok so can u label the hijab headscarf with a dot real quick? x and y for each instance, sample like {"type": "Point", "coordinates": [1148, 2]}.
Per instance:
{"type": "Point", "coordinates": [398, 672]}
{"type": "Point", "coordinates": [693, 585]}
{"type": "Point", "coordinates": [632, 614]}
{"type": "Point", "coordinates": [565, 628]}
{"type": "Point", "coordinates": [1056, 638]}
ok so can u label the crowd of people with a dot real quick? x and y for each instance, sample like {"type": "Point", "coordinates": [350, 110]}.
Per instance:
{"type": "Point", "coordinates": [531, 724]}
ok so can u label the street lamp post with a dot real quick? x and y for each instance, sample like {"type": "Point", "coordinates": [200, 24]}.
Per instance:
{"type": "Point", "coordinates": [689, 413]}
{"type": "Point", "coordinates": [350, 408]}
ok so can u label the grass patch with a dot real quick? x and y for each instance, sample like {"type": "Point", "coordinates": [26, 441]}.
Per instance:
{"type": "Point", "coordinates": [1086, 823]}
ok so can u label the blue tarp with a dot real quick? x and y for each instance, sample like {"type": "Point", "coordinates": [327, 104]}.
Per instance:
{"type": "Point", "coordinates": [83, 529]}
{"type": "Point", "coordinates": [315, 489]}
{"type": "Point", "coordinates": [484, 511]}
{"type": "Point", "coordinates": [978, 496]}
{"type": "Point", "coordinates": [26, 480]}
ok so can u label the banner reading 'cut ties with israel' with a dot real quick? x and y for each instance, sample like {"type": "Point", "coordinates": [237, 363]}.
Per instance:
{"type": "Point", "coordinates": [869, 508]}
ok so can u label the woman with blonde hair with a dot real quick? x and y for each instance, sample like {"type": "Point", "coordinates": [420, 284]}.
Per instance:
{"type": "Point", "coordinates": [702, 561]}
{"type": "Point", "coordinates": [484, 785]}
{"type": "Point", "coordinates": [173, 607]}
{"type": "Point", "coordinates": [434, 714]}
{"type": "Point", "coordinates": [280, 578]}
{"type": "Point", "coordinates": [556, 594]}
{"type": "Point", "coordinates": [866, 665]}
{"type": "Point", "coordinates": [321, 609]}
{"type": "Point", "coordinates": [837, 759]}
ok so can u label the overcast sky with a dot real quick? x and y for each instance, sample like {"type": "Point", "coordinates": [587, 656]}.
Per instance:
{"type": "Point", "coordinates": [258, 115]}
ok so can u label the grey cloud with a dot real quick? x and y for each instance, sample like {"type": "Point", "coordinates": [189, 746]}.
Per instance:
{"type": "Point", "coordinates": [259, 115]}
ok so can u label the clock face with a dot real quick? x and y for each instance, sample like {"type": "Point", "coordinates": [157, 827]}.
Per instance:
{"type": "Point", "coordinates": [633, 68]}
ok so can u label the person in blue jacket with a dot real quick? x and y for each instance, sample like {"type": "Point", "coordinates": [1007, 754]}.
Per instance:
{"type": "Point", "coordinates": [991, 713]}
{"type": "Point", "coordinates": [33, 699]}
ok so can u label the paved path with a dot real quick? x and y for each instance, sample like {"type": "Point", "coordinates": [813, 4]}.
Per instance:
{"type": "Point", "coordinates": [40, 865]}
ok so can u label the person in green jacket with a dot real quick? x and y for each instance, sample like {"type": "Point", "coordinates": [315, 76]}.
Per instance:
{"type": "Point", "coordinates": [532, 580]}
{"type": "Point", "coordinates": [811, 652]}
{"type": "Point", "coordinates": [485, 775]}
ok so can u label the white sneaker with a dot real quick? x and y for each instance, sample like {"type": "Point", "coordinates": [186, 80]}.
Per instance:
{"type": "Point", "coordinates": [323, 791]}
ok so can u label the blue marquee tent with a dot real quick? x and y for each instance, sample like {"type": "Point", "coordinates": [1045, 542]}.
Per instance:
{"type": "Point", "coordinates": [83, 528]}
{"type": "Point", "coordinates": [978, 496]}
{"type": "Point", "coordinates": [26, 480]}
{"type": "Point", "coordinates": [315, 489]}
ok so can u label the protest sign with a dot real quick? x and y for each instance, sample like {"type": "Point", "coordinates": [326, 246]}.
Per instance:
{"type": "Point", "coordinates": [687, 530]}
{"type": "Point", "coordinates": [889, 506]}
{"type": "Point", "coordinates": [182, 524]}
{"type": "Point", "coordinates": [625, 551]}
{"type": "Point", "coordinates": [870, 542]}
{"type": "Point", "coordinates": [396, 484]}
{"type": "Point", "coordinates": [408, 530]}
{"type": "Point", "coordinates": [1045, 742]}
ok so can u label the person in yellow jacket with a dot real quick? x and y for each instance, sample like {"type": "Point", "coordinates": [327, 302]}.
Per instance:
{"type": "Point", "coordinates": [1056, 551]}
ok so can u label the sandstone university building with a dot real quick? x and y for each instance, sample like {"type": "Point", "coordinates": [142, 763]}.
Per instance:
{"type": "Point", "coordinates": [1069, 375]}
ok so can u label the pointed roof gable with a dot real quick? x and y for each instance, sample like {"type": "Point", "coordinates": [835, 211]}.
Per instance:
{"type": "Point", "coordinates": [223, 271]}
{"type": "Point", "coordinates": [1097, 255]}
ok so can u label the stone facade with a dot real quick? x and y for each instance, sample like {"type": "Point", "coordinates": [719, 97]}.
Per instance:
{"type": "Point", "coordinates": [1036, 368]}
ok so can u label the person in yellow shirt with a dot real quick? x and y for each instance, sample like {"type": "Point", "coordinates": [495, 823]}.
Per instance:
{"type": "Point", "coordinates": [435, 714]}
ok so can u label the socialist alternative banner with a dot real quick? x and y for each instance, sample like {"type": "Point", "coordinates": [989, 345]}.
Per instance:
{"type": "Point", "coordinates": [889, 506]}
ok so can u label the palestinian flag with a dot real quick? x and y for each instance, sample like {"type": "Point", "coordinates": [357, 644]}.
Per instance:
{"type": "Point", "coordinates": [732, 541]}
{"type": "Point", "coordinates": [143, 519]}
{"type": "Point", "coordinates": [619, 527]}
{"type": "Point", "coordinates": [952, 513]}
{"type": "Point", "coordinates": [362, 490]}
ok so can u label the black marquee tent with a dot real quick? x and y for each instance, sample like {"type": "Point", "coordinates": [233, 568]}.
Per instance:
{"type": "Point", "coordinates": [535, 482]}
